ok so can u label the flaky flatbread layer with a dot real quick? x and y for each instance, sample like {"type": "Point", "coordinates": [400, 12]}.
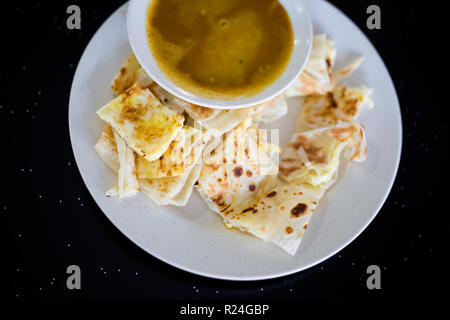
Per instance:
{"type": "Point", "coordinates": [127, 184]}
{"type": "Point", "coordinates": [313, 157]}
{"type": "Point", "coordinates": [319, 76]}
{"type": "Point", "coordinates": [342, 104]}
{"type": "Point", "coordinates": [142, 121]}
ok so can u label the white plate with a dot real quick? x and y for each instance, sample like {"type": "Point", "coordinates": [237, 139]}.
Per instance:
{"type": "Point", "coordinates": [193, 238]}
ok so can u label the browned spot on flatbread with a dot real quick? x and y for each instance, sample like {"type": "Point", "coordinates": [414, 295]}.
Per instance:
{"type": "Point", "coordinates": [305, 227]}
{"type": "Point", "coordinates": [290, 160]}
{"type": "Point", "coordinates": [219, 200]}
{"type": "Point", "coordinates": [289, 230]}
{"type": "Point", "coordinates": [225, 208]}
{"type": "Point", "coordinates": [352, 110]}
{"type": "Point", "coordinates": [214, 167]}
{"type": "Point", "coordinates": [252, 187]}
{"type": "Point", "coordinates": [299, 210]}
{"type": "Point", "coordinates": [271, 194]}
{"type": "Point", "coordinates": [299, 142]}
{"type": "Point", "coordinates": [247, 210]}
{"type": "Point", "coordinates": [238, 171]}
{"type": "Point", "coordinates": [328, 61]}
{"type": "Point", "coordinates": [331, 101]}
{"type": "Point", "coordinates": [287, 170]}
{"type": "Point", "coordinates": [315, 154]}
{"type": "Point", "coordinates": [249, 173]}
{"type": "Point", "coordinates": [350, 103]}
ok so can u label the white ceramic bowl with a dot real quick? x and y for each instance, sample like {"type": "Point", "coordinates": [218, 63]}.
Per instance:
{"type": "Point", "coordinates": [301, 24]}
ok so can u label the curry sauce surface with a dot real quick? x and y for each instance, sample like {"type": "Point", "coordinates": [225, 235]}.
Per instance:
{"type": "Point", "coordinates": [220, 49]}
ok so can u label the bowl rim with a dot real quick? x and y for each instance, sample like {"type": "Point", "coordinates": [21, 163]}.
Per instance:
{"type": "Point", "coordinates": [238, 103]}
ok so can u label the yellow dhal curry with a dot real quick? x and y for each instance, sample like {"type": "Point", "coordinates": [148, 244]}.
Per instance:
{"type": "Point", "coordinates": [220, 49]}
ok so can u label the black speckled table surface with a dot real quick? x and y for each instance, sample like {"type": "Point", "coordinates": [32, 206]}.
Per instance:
{"type": "Point", "coordinates": [49, 220]}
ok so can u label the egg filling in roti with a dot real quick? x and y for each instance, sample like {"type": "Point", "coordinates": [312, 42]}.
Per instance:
{"type": "Point", "coordinates": [147, 126]}
{"type": "Point", "coordinates": [175, 159]}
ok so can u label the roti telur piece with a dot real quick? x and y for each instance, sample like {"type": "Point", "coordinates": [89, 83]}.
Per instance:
{"type": "Point", "coordinates": [130, 73]}
{"type": "Point", "coordinates": [281, 215]}
{"type": "Point", "coordinates": [147, 126]}
{"type": "Point", "coordinates": [127, 75]}
{"type": "Point", "coordinates": [318, 77]}
{"type": "Point", "coordinates": [340, 104]}
{"type": "Point", "coordinates": [236, 169]}
{"type": "Point", "coordinates": [313, 157]}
